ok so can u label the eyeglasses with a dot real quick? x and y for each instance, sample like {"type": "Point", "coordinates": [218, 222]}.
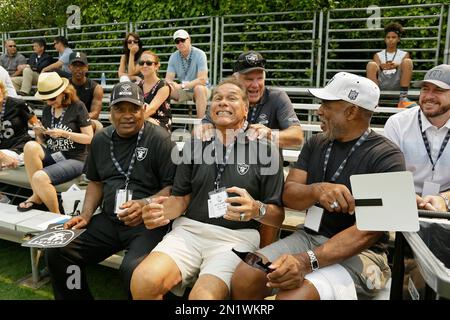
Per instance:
{"type": "Point", "coordinates": [177, 41]}
{"type": "Point", "coordinates": [132, 41]}
{"type": "Point", "coordinates": [147, 62]}
{"type": "Point", "coordinates": [253, 260]}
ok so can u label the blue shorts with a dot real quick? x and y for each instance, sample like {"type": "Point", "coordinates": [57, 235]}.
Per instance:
{"type": "Point", "coordinates": [61, 170]}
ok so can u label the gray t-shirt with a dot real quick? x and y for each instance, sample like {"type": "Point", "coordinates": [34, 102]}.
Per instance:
{"type": "Point", "coordinates": [186, 69]}
{"type": "Point", "coordinates": [11, 63]}
{"type": "Point", "coordinates": [64, 57]}
{"type": "Point", "coordinates": [275, 111]}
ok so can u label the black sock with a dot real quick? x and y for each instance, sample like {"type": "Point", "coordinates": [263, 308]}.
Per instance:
{"type": "Point", "coordinates": [403, 92]}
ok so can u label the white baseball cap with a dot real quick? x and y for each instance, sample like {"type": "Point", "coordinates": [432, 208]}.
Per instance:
{"type": "Point", "coordinates": [180, 34]}
{"type": "Point", "coordinates": [352, 88]}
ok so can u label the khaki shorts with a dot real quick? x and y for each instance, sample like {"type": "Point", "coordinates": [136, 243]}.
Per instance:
{"type": "Point", "coordinates": [200, 248]}
{"type": "Point", "coordinates": [188, 95]}
{"type": "Point", "coordinates": [369, 270]}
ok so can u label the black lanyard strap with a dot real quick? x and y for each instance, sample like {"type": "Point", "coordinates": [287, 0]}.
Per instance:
{"type": "Point", "coordinates": [427, 144]}
{"type": "Point", "coordinates": [2, 114]}
{"type": "Point", "coordinates": [344, 162]}
{"type": "Point", "coordinates": [60, 118]}
{"type": "Point", "coordinates": [133, 158]}
{"type": "Point", "coordinates": [253, 115]}
{"type": "Point", "coordinates": [222, 163]}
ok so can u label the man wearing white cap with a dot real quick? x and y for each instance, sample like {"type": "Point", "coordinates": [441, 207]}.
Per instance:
{"type": "Point", "coordinates": [422, 133]}
{"type": "Point", "coordinates": [189, 65]}
{"type": "Point", "coordinates": [331, 258]}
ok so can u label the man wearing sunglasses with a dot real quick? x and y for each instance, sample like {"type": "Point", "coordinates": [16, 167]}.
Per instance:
{"type": "Point", "coordinates": [189, 65]}
{"type": "Point", "coordinates": [12, 61]}
{"type": "Point", "coordinates": [270, 108]}
{"type": "Point", "coordinates": [61, 66]}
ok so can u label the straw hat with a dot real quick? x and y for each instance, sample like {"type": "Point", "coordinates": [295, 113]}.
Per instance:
{"type": "Point", "coordinates": [50, 85]}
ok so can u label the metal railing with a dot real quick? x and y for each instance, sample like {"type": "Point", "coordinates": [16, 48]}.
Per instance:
{"type": "Point", "coordinates": [345, 27]}
{"type": "Point", "coordinates": [302, 49]}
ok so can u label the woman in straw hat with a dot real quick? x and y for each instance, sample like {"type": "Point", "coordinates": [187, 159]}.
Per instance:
{"type": "Point", "coordinates": [60, 148]}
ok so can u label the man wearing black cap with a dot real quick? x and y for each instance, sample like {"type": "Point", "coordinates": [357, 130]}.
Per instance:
{"type": "Point", "coordinates": [129, 164]}
{"type": "Point", "coordinates": [422, 133]}
{"type": "Point", "coordinates": [87, 90]}
{"type": "Point", "coordinates": [269, 108]}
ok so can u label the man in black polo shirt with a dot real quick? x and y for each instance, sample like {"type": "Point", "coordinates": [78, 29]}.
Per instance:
{"type": "Point", "coordinates": [271, 113]}
{"type": "Point", "coordinates": [89, 91]}
{"type": "Point", "coordinates": [329, 258]}
{"type": "Point", "coordinates": [226, 187]}
{"type": "Point", "coordinates": [132, 154]}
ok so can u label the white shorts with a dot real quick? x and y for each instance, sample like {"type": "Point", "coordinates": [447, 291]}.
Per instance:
{"type": "Point", "coordinates": [200, 248]}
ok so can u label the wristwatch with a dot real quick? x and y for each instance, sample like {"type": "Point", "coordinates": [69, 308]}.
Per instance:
{"type": "Point", "coordinates": [446, 200]}
{"type": "Point", "coordinates": [313, 260]}
{"type": "Point", "coordinates": [262, 210]}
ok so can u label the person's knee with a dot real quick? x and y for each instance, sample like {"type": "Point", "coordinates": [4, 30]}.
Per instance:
{"type": "Point", "coordinates": [27, 72]}
{"type": "Point", "coordinates": [199, 91]}
{"type": "Point", "coordinates": [247, 282]}
{"type": "Point", "coordinates": [146, 284]}
{"type": "Point", "coordinates": [407, 63]}
{"type": "Point", "coordinates": [372, 66]}
{"type": "Point", "coordinates": [31, 148]}
{"type": "Point", "coordinates": [40, 177]}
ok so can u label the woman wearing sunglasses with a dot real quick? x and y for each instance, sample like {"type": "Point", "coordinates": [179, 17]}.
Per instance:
{"type": "Point", "coordinates": [156, 91]}
{"type": "Point", "coordinates": [132, 50]}
{"type": "Point", "coordinates": [60, 148]}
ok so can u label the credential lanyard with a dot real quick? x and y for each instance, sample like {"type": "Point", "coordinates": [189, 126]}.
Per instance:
{"type": "Point", "coordinates": [60, 118]}
{"type": "Point", "coordinates": [133, 158]}
{"type": "Point", "coordinates": [427, 144]}
{"type": "Point", "coordinates": [341, 167]}
{"type": "Point", "coordinates": [2, 114]}
{"type": "Point", "coordinates": [220, 165]}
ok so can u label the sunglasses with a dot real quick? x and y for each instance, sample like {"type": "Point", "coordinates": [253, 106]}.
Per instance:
{"type": "Point", "coordinates": [177, 41]}
{"type": "Point", "coordinates": [253, 260]}
{"type": "Point", "coordinates": [12, 46]}
{"type": "Point", "coordinates": [147, 62]}
{"type": "Point", "coordinates": [51, 99]}
{"type": "Point", "coordinates": [132, 41]}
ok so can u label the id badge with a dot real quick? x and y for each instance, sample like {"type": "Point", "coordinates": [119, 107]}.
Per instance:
{"type": "Point", "coordinates": [122, 196]}
{"type": "Point", "coordinates": [430, 188]}
{"type": "Point", "coordinates": [217, 207]}
{"type": "Point", "coordinates": [58, 156]}
{"type": "Point", "coordinates": [313, 218]}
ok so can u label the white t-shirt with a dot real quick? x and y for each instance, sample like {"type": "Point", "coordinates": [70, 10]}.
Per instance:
{"type": "Point", "coordinates": [395, 57]}
{"type": "Point", "coordinates": [4, 76]}
{"type": "Point", "coordinates": [403, 129]}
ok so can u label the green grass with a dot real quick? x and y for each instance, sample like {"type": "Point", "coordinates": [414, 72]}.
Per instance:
{"type": "Point", "coordinates": [15, 265]}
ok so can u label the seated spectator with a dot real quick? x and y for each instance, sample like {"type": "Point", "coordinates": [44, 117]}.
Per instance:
{"type": "Point", "coordinates": [156, 91]}
{"type": "Point", "coordinates": [331, 259]}
{"type": "Point", "coordinates": [14, 117]}
{"type": "Point", "coordinates": [60, 148]}
{"type": "Point", "coordinates": [12, 60]}
{"type": "Point", "coordinates": [144, 150]}
{"type": "Point", "coordinates": [190, 66]}
{"type": "Point", "coordinates": [62, 65]}
{"type": "Point", "coordinates": [5, 78]}
{"type": "Point", "coordinates": [132, 50]}
{"type": "Point", "coordinates": [38, 60]}
{"type": "Point", "coordinates": [88, 91]}
{"type": "Point", "coordinates": [392, 68]}
{"type": "Point", "coordinates": [422, 133]}
{"type": "Point", "coordinates": [201, 240]}
{"type": "Point", "coordinates": [270, 109]}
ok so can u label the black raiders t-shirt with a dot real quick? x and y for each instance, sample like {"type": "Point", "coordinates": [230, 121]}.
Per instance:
{"type": "Point", "coordinates": [153, 167]}
{"type": "Point", "coordinates": [14, 125]}
{"type": "Point", "coordinates": [75, 117]}
{"type": "Point", "coordinates": [254, 166]}
{"type": "Point", "coordinates": [377, 154]}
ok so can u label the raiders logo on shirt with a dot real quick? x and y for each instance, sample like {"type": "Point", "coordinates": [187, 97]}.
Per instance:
{"type": "Point", "coordinates": [242, 168]}
{"type": "Point", "coordinates": [141, 153]}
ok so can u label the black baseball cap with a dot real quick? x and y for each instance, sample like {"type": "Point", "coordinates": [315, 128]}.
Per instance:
{"type": "Point", "coordinates": [78, 57]}
{"type": "Point", "coordinates": [127, 91]}
{"type": "Point", "coordinates": [249, 61]}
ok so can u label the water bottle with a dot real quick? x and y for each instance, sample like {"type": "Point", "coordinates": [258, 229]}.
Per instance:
{"type": "Point", "coordinates": [103, 80]}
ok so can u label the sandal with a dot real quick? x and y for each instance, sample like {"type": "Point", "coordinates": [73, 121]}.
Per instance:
{"type": "Point", "coordinates": [24, 209]}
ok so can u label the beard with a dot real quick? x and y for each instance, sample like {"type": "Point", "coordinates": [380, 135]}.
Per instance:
{"type": "Point", "coordinates": [435, 113]}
